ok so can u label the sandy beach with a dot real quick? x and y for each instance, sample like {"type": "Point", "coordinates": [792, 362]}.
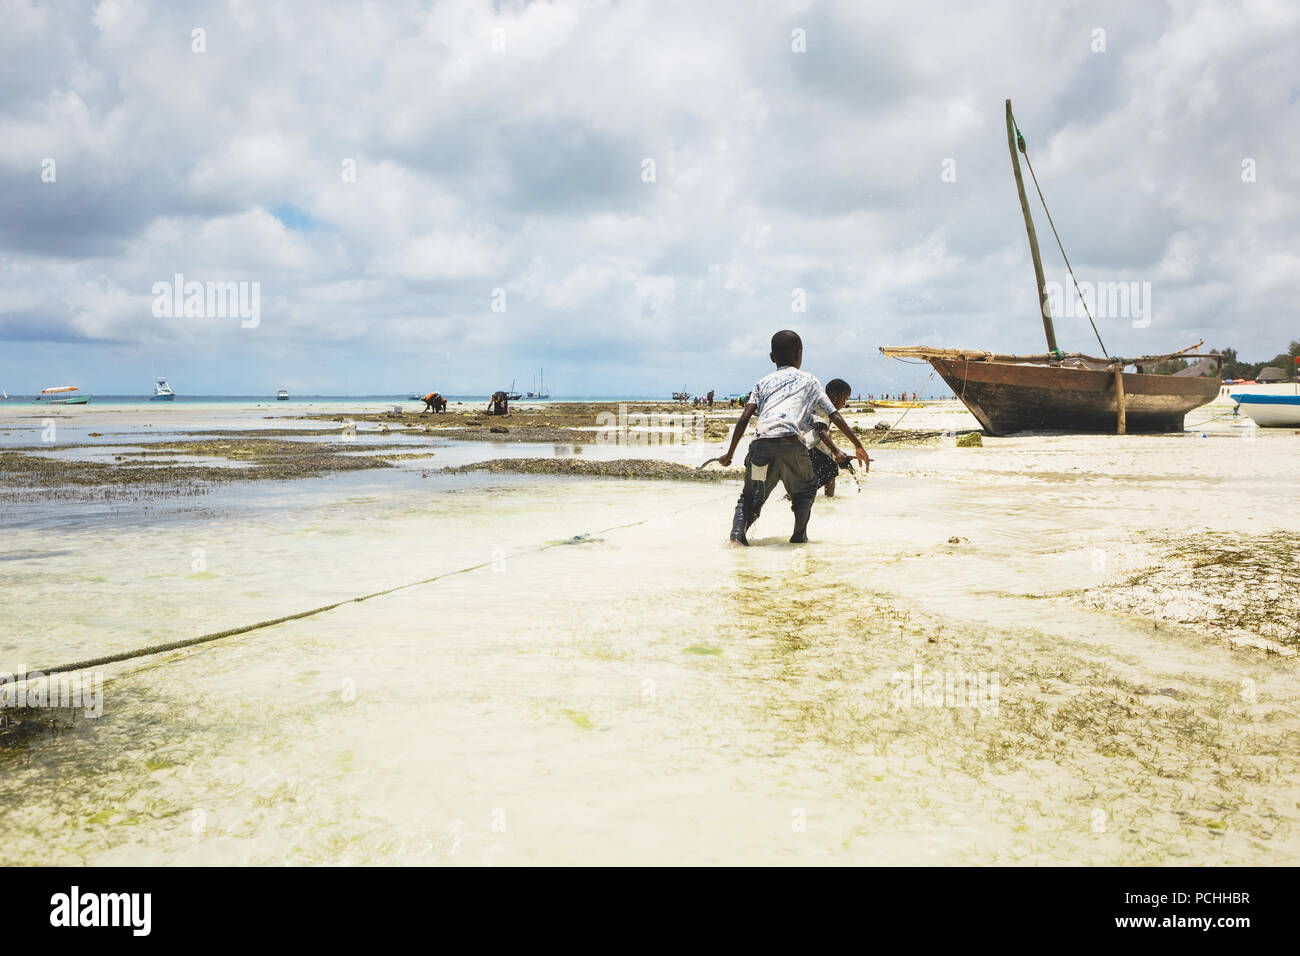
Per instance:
{"type": "Point", "coordinates": [1049, 649]}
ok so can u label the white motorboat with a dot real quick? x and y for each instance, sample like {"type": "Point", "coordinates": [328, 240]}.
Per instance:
{"type": "Point", "coordinates": [1270, 405]}
{"type": "Point", "coordinates": [162, 392]}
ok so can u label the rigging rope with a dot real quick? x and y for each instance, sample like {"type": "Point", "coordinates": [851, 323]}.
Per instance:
{"type": "Point", "coordinates": [906, 410]}
{"type": "Point", "coordinates": [1020, 142]}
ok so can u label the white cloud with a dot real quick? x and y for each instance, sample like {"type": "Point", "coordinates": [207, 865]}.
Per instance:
{"type": "Point", "coordinates": [522, 169]}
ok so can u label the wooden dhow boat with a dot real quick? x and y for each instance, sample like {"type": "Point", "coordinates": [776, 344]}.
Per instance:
{"type": "Point", "coordinates": [1058, 391]}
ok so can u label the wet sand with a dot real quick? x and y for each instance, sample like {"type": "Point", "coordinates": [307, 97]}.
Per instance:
{"type": "Point", "coordinates": [977, 660]}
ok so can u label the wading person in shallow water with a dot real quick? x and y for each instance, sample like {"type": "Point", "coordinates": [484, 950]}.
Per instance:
{"type": "Point", "coordinates": [785, 401]}
{"type": "Point", "coordinates": [824, 457]}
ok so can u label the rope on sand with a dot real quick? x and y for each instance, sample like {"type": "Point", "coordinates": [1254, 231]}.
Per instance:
{"type": "Point", "coordinates": [1231, 414]}
{"type": "Point", "coordinates": [152, 649]}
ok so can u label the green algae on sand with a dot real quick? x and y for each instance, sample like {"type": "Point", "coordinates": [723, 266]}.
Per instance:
{"type": "Point", "coordinates": [643, 468]}
{"type": "Point", "coordinates": [38, 476]}
{"type": "Point", "coordinates": [579, 718]}
{"type": "Point", "coordinates": [1244, 591]}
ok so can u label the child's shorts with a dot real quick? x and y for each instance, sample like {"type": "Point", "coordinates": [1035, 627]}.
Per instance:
{"type": "Point", "coordinates": [824, 467]}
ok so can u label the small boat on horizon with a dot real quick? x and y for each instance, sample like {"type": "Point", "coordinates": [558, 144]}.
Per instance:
{"type": "Point", "coordinates": [162, 392]}
{"type": "Point", "coordinates": [62, 395]}
{"type": "Point", "coordinates": [541, 391]}
{"type": "Point", "coordinates": [282, 395]}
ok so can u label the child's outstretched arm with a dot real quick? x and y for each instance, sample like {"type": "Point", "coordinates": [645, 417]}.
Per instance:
{"type": "Point", "coordinates": [824, 438]}
{"type": "Point", "coordinates": [849, 433]}
{"type": "Point", "coordinates": [737, 432]}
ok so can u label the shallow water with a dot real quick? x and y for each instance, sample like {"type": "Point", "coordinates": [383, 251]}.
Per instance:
{"type": "Point", "coordinates": [642, 694]}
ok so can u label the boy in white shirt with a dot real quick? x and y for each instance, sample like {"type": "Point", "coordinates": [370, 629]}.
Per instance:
{"type": "Point", "coordinates": [785, 401]}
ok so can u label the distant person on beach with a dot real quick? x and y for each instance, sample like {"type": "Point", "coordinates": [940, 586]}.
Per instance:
{"type": "Point", "coordinates": [824, 457]}
{"type": "Point", "coordinates": [499, 404]}
{"type": "Point", "coordinates": [785, 401]}
{"type": "Point", "coordinates": [433, 402]}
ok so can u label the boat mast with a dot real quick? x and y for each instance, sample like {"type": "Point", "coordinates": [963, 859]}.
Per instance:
{"type": "Point", "coordinates": [1033, 237]}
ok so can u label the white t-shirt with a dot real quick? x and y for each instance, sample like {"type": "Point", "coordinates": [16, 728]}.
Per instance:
{"type": "Point", "coordinates": [786, 400]}
{"type": "Point", "coordinates": [813, 438]}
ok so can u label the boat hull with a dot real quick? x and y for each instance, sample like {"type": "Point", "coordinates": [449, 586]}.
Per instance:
{"type": "Point", "coordinates": [1270, 411]}
{"type": "Point", "coordinates": [1006, 398]}
{"type": "Point", "coordinates": [163, 398]}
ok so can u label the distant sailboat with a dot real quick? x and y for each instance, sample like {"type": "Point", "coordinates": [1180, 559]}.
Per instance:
{"type": "Point", "coordinates": [541, 386]}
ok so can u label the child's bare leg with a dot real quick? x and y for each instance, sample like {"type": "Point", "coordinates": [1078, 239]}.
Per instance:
{"type": "Point", "coordinates": [830, 488]}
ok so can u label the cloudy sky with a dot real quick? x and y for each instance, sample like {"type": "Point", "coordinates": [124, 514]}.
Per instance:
{"type": "Point", "coordinates": [855, 151]}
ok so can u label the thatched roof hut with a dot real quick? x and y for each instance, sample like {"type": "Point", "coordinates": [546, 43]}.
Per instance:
{"type": "Point", "coordinates": [1205, 366]}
